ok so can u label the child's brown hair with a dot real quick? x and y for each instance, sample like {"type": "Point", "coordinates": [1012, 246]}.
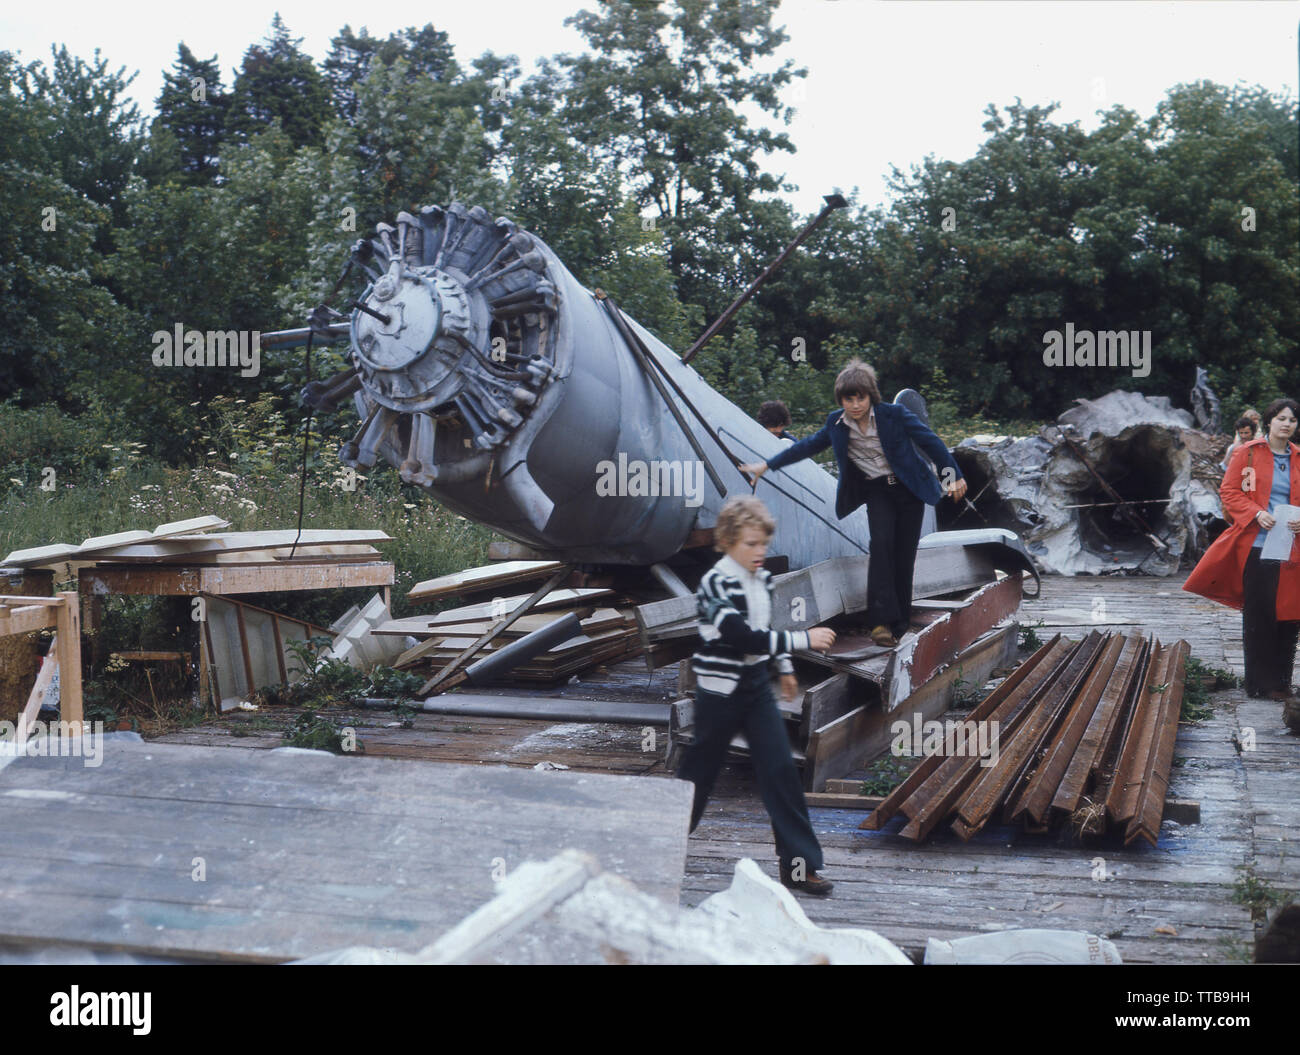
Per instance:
{"type": "Point", "coordinates": [857, 379]}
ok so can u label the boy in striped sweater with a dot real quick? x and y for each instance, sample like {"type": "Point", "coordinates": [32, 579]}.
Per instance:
{"type": "Point", "coordinates": [734, 688]}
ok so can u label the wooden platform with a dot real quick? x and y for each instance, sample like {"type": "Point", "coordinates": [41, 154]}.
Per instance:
{"type": "Point", "coordinates": [1250, 816]}
{"type": "Point", "coordinates": [1250, 812]}
{"type": "Point", "coordinates": [303, 852]}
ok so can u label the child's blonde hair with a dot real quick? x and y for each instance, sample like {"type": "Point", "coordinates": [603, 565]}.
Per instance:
{"type": "Point", "coordinates": [736, 515]}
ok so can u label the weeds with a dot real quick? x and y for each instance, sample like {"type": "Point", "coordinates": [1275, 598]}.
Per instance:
{"type": "Point", "coordinates": [1196, 696]}
{"type": "Point", "coordinates": [883, 776]}
{"type": "Point", "coordinates": [1029, 639]}
{"type": "Point", "coordinates": [1256, 893]}
{"type": "Point", "coordinates": [318, 733]}
{"type": "Point", "coordinates": [965, 694]}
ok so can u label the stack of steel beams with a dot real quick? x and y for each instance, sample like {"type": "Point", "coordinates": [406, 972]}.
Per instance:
{"type": "Point", "coordinates": [1082, 731]}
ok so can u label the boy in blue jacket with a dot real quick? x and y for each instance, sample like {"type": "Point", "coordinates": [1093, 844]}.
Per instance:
{"type": "Point", "coordinates": [734, 688]}
{"type": "Point", "coordinates": [879, 467]}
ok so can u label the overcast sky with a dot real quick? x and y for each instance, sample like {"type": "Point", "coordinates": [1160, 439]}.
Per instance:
{"type": "Point", "coordinates": [888, 82]}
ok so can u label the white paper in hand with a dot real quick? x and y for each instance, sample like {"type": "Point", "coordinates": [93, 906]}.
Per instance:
{"type": "Point", "coordinates": [1277, 543]}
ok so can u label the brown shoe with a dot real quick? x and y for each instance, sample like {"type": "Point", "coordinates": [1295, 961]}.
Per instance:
{"type": "Point", "coordinates": [811, 884]}
{"type": "Point", "coordinates": [884, 637]}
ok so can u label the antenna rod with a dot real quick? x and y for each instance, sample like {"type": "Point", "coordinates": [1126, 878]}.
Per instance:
{"type": "Point", "coordinates": [833, 202]}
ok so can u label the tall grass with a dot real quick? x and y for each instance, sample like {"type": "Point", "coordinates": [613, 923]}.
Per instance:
{"type": "Point", "coordinates": [250, 478]}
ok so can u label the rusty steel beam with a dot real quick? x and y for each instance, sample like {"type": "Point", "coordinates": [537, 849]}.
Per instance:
{"type": "Point", "coordinates": [1070, 790]}
{"type": "Point", "coordinates": [951, 633]}
{"type": "Point", "coordinates": [1129, 774]}
{"type": "Point", "coordinates": [935, 797]}
{"type": "Point", "coordinates": [1051, 720]}
{"type": "Point", "coordinates": [950, 781]}
{"type": "Point", "coordinates": [1103, 765]}
{"type": "Point", "coordinates": [980, 801]}
{"type": "Point", "coordinates": [1055, 658]}
{"type": "Point", "coordinates": [1155, 783]}
{"type": "Point", "coordinates": [889, 806]}
{"type": "Point", "coordinates": [1036, 798]}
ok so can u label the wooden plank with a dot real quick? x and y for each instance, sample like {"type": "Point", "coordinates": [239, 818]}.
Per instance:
{"type": "Point", "coordinates": [499, 607]}
{"type": "Point", "coordinates": [485, 578]}
{"type": "Point", "coordinates": [557, 576]}
{"type": "Point", "coordinates": [69, 655]}
{"type": "Point", "coordinates": [250, 680]}
{"type": "Point", "coordinates": [119, 538]}
{"type": "Point", "coordinates": [423, 626]}
{"type": "Point", "coordinates": [145, 656]}
{"type": "Point", "coordinates": [193, 524]}
{"type": "Point", "coordinates": [179, 547]}
{"type": "Point", "coordinates": [208, 653]}
{"type": "Point", "coordinates": [44, 679]}
{"type": "Point", "coordinates": [279, 649]}
{"type": "Point", "coordinates": [38, 555]}
{"type": "Point", "coordinates": [551, 709]}
{"type": "Point", "coordinates": [25, 619]}
{"type": "Point", "coordinates": [91, 546]}
{"type": "Point", "coordinates": [306, 554]}
{"type": "Point", "coordinates": [827, 800]}
{"type": "Point", "coordinates": [221, 580]}
{"type": "Point", "coordinates": [112, 850]}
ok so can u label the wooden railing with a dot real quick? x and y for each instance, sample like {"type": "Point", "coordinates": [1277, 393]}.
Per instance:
{"type": "Point", "coordinates": [22, 615]}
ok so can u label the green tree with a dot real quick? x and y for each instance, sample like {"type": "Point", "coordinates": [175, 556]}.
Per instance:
{"type": "Point", "coordinates": [278, 81]}
{"type": "Point", "coordinates": [1137, 226]}
{"type": "Point", "coordinates": [658, 97]}
{"type": "Point", "coordinates": [192, 107]}
{"type": "Point", "coordinates": [66, 143]}
{"type": "Point", "coordinates": [427, 51]}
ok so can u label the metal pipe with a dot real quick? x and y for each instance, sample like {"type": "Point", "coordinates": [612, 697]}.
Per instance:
{"type": "Point", "coordinates": [337, 331]}
{"type": "Point", "coordinates": [833, 202]}
{"type": "Point", "coordinates": [506, 659]}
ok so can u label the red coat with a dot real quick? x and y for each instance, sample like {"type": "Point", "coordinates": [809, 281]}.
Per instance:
{"type": "Point", "coordinates": [1218, 574]}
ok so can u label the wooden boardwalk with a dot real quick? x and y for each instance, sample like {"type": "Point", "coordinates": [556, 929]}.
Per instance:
{"type": "Point", "coordinates": [945, 888]}
{"type": "Point", "coordinates": [1170, 904]}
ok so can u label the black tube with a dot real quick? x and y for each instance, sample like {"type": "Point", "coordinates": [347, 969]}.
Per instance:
{"type": "Point", "coordinates": [506, 659]}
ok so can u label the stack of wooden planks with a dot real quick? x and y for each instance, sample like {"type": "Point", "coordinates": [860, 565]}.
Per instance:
{"type": "Point", "coordinates": [1082, 732]}
{"type": "Point", "coordinates": [607, 635]}
{"type": "Point", "coordinates": [198, 541]}
{"type": "Point", "coordinates": [605, 630]}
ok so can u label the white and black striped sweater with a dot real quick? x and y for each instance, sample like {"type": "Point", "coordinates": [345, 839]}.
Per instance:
{"type": "Point", "coordinates": [729, 642]}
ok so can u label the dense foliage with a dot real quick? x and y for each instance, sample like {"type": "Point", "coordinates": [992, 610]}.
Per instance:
{"type": "Point", "coordinates": [640, 162]}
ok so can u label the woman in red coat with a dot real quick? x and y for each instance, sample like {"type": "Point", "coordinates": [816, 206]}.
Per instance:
{"type": "Point", "coordinates": [1261, 476]}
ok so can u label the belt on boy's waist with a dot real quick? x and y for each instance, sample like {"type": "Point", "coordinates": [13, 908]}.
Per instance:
{"type": "Point", "coordinates": [888, 478]}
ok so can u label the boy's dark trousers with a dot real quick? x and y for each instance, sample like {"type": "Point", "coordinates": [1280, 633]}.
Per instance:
{"type": "Point", "coordinates": [752, 708]}
{"type": "Point", "coordinates": [1269, 643]}
{"type": "Point", "coordinates": [894, 516]}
